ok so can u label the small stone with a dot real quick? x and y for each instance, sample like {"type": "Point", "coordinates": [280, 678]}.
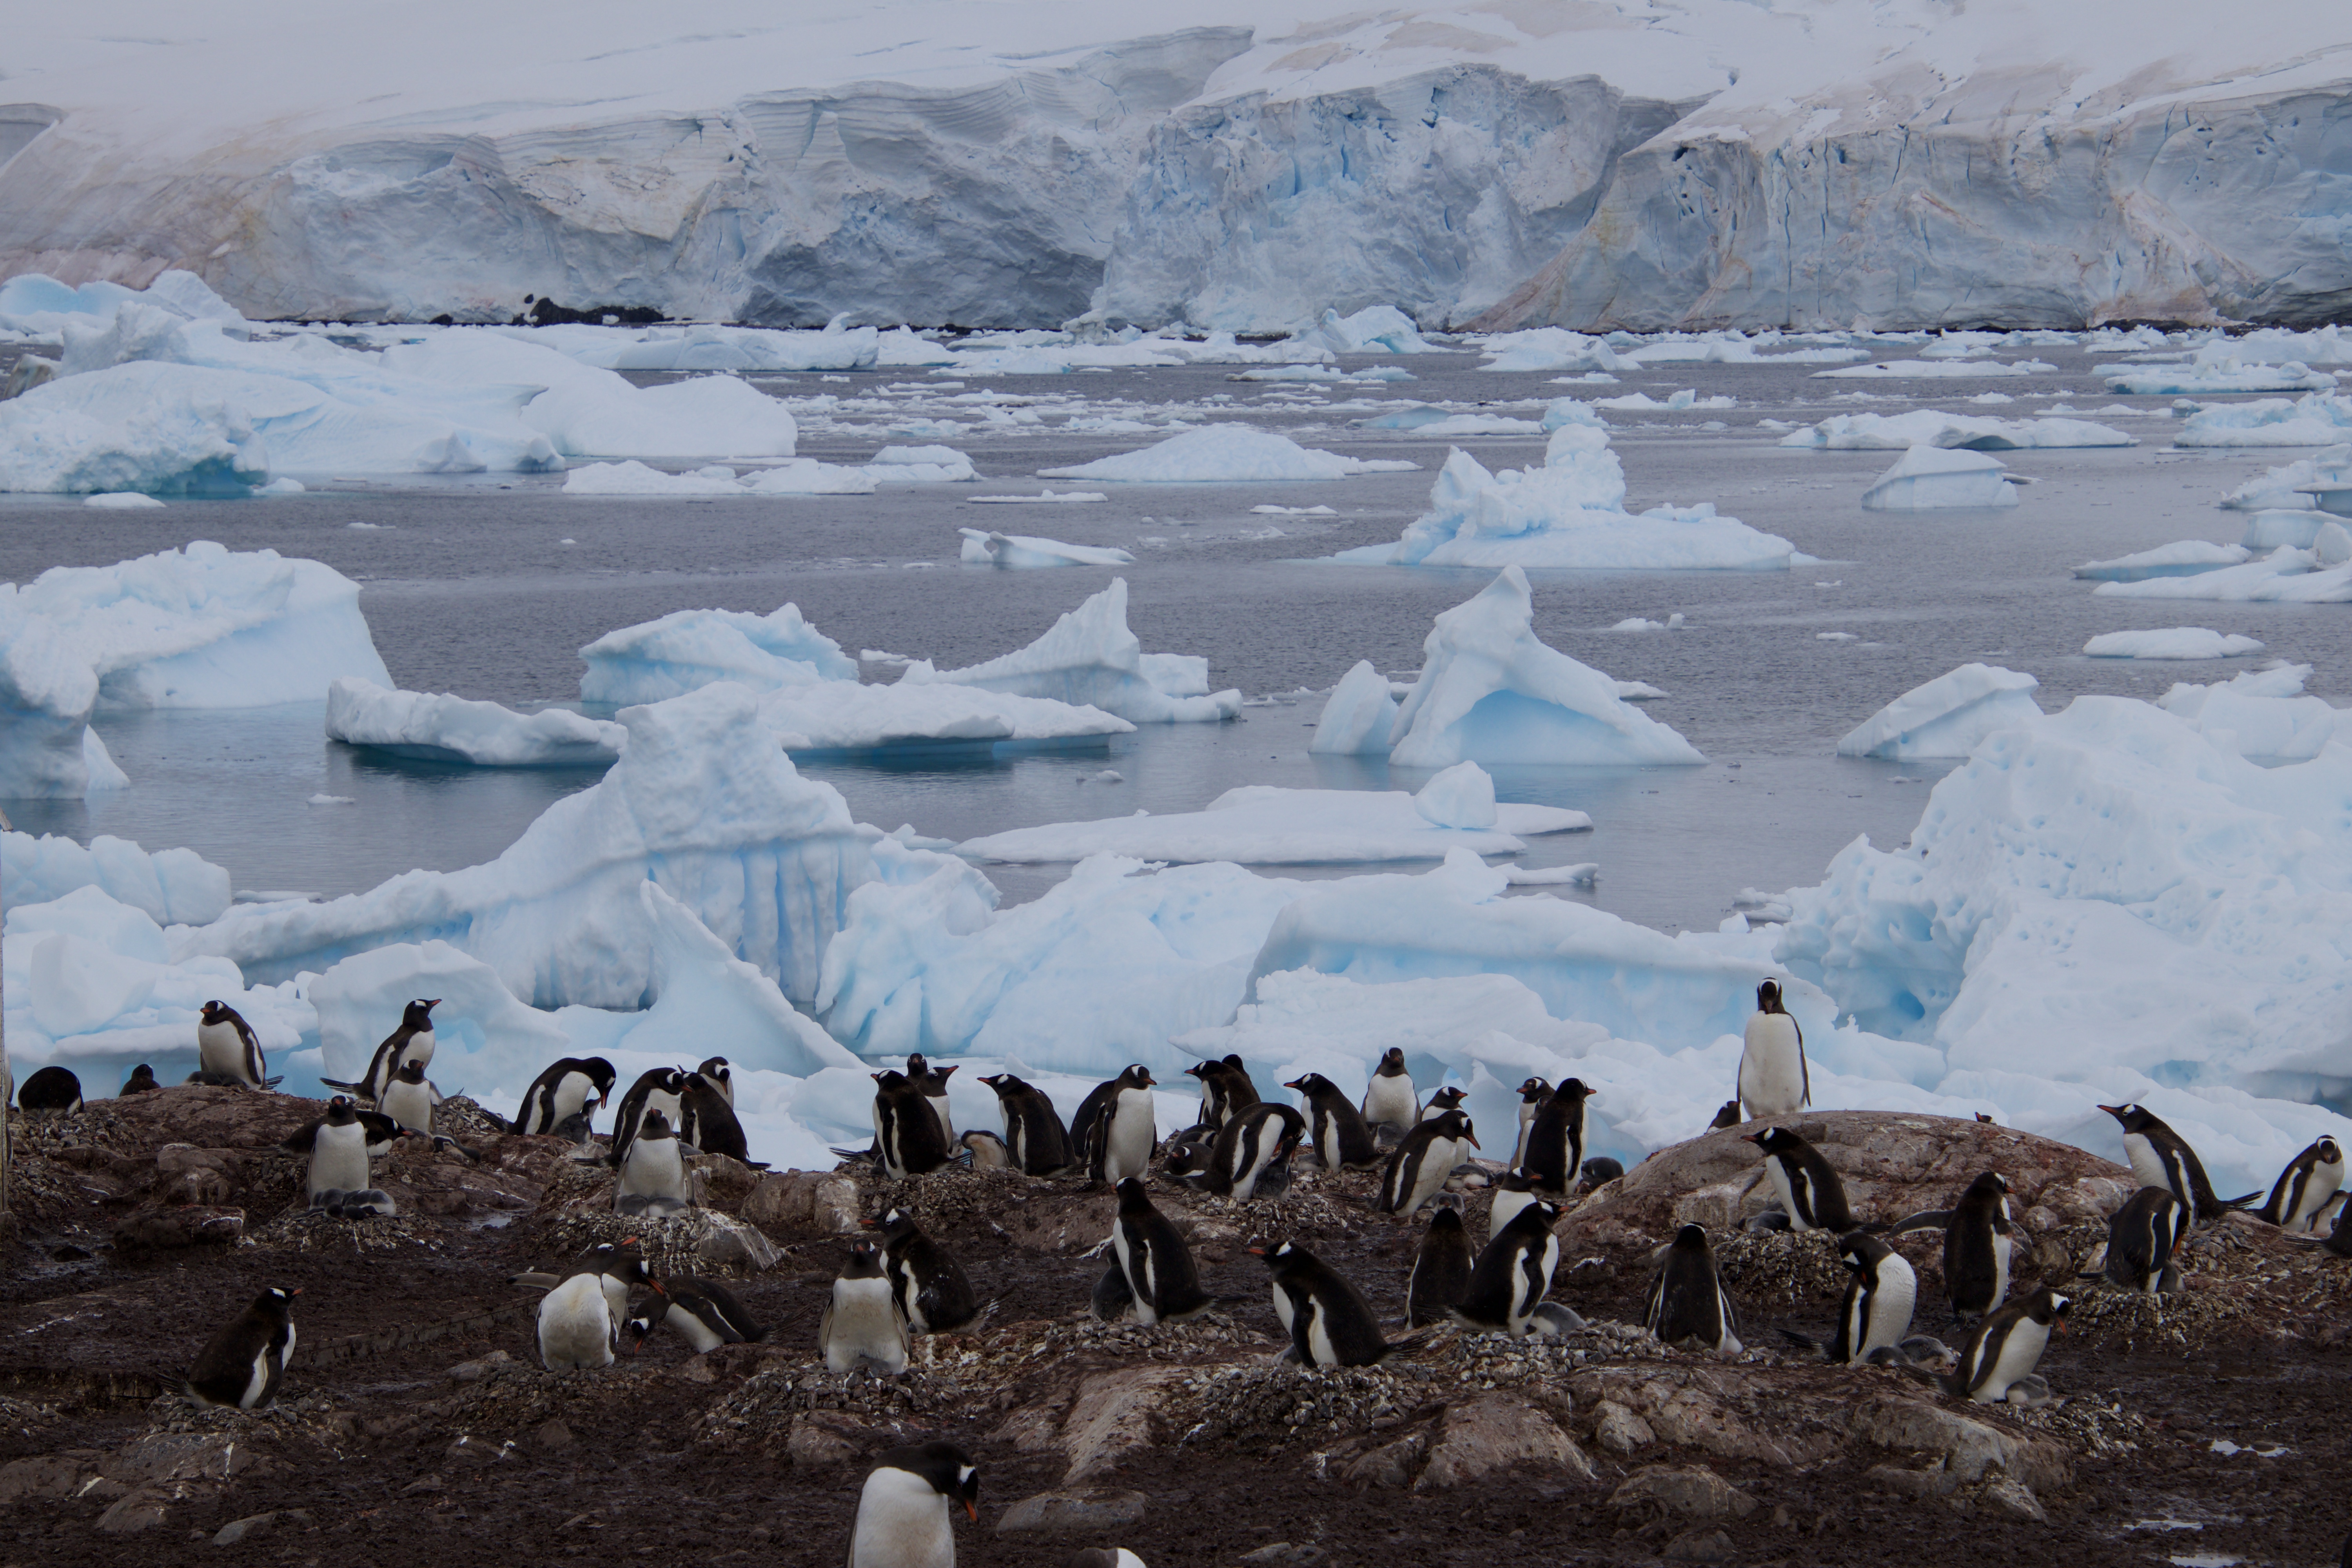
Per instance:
{"type": "Point", "coordinates": [811, 1444]}
{"type": "Point", "coordinates": [1089, 1509]}
{"type": "Point", "coordinates": [474, 1371]}
{"type": "Point", "coordinates": [1693, 1491]}
{"type": "Point", "coordinates": [1909, 1483]}
{"type": "Point", "coordinates": [2015, 1500]}
{"type": "Point", "coordinates": [236, 1529]}
{"type": "Point", "coordinates": [140, 1511]}
{"type": "Point", "coordinates": [1620, 1430]}
{"type": "Point", "coordinates": [423, 1484]}
{"type": "Point", "coordinates": [555, 1435]}
{"type": "Point", "coordinates": [698, 1371]}
{"type": "Point", "coordinates": [1700, 1545]}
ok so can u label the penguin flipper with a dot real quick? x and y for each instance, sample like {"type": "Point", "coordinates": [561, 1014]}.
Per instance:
{"type": "Point", "coordinates": [1926, 1219]}
{"type": "Point", "coordinates": [535, 1280]}
{"type": "Point", "coordinates": [300, 1139]}
{"type": "Point", "coordinates": [338, 1083]}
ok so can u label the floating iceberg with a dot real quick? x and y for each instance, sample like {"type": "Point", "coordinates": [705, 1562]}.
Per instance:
{"type": "Point", "coordinates": [1930, 479]}
{"type": "Point", "coordinates": [1490, 693]}
{"type": "Point", "coordinates": [159, 427]}
{"type": "Point", "coordinates": [2288, 576]}
{"type": "Point", "coordinates": [1090, 659]}
{"type": "Point", "coordinates": [2290, 486]}
{"type": "Point", "coordinates": [2173, 642]}
{"type": "Point", "coordinates": [2282, 529]}
{"type": "Point", "coordinates": [1947, 717]}
{"type": "Point", "coordinates": [1936, 370]}
{"type": "Point", "coordinates": [836, 716]}
{"type": "Point", "coordinates": [689, 650]}
{"type": "Point", "coordinates": [1926, 428]}
{"type": "Point", "coordinates": [709, 348]}
{"type": "Point", "coordinates": [1539, 349]}
{"type": "Point", "coordinates": [1265, 825]}
{"type": "Point", "coordinates": [170, 887]}
{"type": "Point", "coordinates": [2215, 368]}
{"type": "Point", "coordinates": [1427, 419]}
{"type": "Point", "coordinates": [1224, 453]}
{"type": "Point", "coordinates": [983, 548]}
{"type": "Point", "coordinates": [2320, 419]}
{"type": "Point", "coordinates": [1675, 402]}
{"type": "Point", "coordinates": [636, 480]}
{"type": "Point", "coordinates": [1568, 513]}
{"type": "Point", "coordinates": [1358, 718]}
{"type": "Point", "coordinates": [445, 729]}
{"type": "Point", "coordinates": [1374, 330]}
{"type": "Point", "coordinates": [2183, 558]}
{"type": "Point", "coordinates": [38, 305]}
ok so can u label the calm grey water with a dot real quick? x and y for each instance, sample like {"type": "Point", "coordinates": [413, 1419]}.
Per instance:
{"type": "Point", "coordinates": [471, 587]}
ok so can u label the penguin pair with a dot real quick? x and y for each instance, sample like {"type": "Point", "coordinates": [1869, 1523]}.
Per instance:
{"type": "Point", "coordinates": [654, 1180]}
{"type": "Point", "coordinates": [564, 1090]}
{"type": "Point", "coordinates": [1227, 1090]}
{"type": "Point", "coordinates": [242, 1366]}
{"type": "Point", "coordinates": [1810, 1195]}
{"type": "Point", "coordinates": [2160, 1157]}
{"type": "Point", "coordinates": [1555, 1141]}
{"type": "Point", "coordinates": [409, 1099]}
{"type": "Point", "coordinates": [411, 1041]}
{"type": "Point", "coordinates": [1533, 1092]}
{"type": "Point", "coordinates": [1154, 1273]}
{"type": "Point", "coordinates": [339, 1180]}
{"type": "Point", "coordinates": [1875, 1316]}
{"type": "Point", "coordinates": [862, 1321]}
{"type": "Point", "coordinates": [2142, 1239]}
{"type": "Point", "coordinates": [1515, 1192]}
{"type": "Point", "coordinates": [702, 1312]}
{"type": "Point", "coordinates": [1326, 1318]}
{"type": "Point", "coordinates": [228, 1050]}
{"type": "Point", "coordinates": [1034, 1139]}
{"type": "Point", "coordinates": [933, 1084]}
{"type": "Point", "coordinates": [51, 1092]}
{"type": "Point", "coordinates": [926, 1281]}
{"type": "Point", "coordinates": [906, 1130]}
{"type": "Point", "coordinates": [1335, 1128]}
{"type": "Point", "coordinates": [1418, 1170]}
{"type": "Point", "coordinates": [1980, 1245]}
{"type": "Point", "coordinates": [1773, 1078]}
{"type": "Point", "coordinates": [1123, 1127]}
{"type": "Point", "coordinates": [1391, 1107]}
{"type": "Point", "coordinates": [903, 1512]}
{"type": "Point", "coordinates": [1686, 1303]}
{"type": "Point", "coordinates": [1512, 1277]}
{"type": "Point", "coordinates": [2301, 1196]}
{"type": "Point", "coordinates": [2003, 1351]}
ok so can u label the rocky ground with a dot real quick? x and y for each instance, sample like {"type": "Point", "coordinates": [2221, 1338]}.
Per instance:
{"type": "Point", "coordinates": [415, 1425]}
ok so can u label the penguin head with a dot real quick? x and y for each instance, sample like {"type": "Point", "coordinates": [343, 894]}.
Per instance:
{"type": "Point", "coordinates": [216, 1012]}
{"type": "Point", "coordinates": [623, 1262]}
{"type": "Point", "coordinates": [2133, 1118]}
{"type": "Point", "coordinates": [1515, 1182]}
{"type": "Point", "coordinates": [1136, 1076]}
{"type": "Point", "coordinates": [1446, 1100]}
{"type": "Point", "coordinates": [342, 1111]}
{"type": "Point", "coordinates": [896, 1225]}
{"type": "Point", "coordinates": [141, 1076]}
{"type": "Point", "coordinates": [918, 1064]}
{"type": "Point", "coordinates": [864, 1261]}
{"type": "Point", "coordinates": [672, 1080]}
{"type": "Point", "coordinates": [638, 1327]}
{"type": "Point", "coordinates": [716, 1069]}
{"type": "Point", "coordinates": [1189, 1157]}
{"type": "Point", "coordinates": [1443, 1218]}
{"type": "Point", "coordinates": [949, 1469]}
{"type": "Point", "coordinates": [1392, 1061]}
{"type": "Point", "coordinates": [1277, 1253]}
{"type": "Point", "coordinates": [1453, 1124]}
{"type": "Point", "coordinates": [654, 1128]}
{"type": "Point", "coordinates": [2326, 1152]}
{"type": "Point", "coordinates": [1310, 1084]}
{"type": "Point", "coordinates": [277, 1301]}
{"type": "Point", "coordinates": [1774, 1141]}
{"type": "Point", "coordinates": [1534, 1089]}
{"type": "Point", "coordinates": [1728, 1116]}
{"type": "Point", "coordinates": [602, 1074]}
{"type": "Point", "coordinates": [890, 1079]}
{"type": "Point", "coordinates": [1988, 1185]}
{"type": "Point", "coordinates": [1862, 1252]}
{"type": "Point", "coordinates": [2048, 1307]}
{"type": "Point", "coordinates": [1573, 1090]}
{"type": "Point", "coordinates": [940, 1076]}
{"type": "Point", "coordinates": [1691, 1237]}
{"type": "Point", "coordinates": [418, 1015]}
{"type": "Point", "coordinates": [1768, 997]}
{"type": "Point", "coordinates": [1202, 1070]}
{"type": "Point", "coordinates": [1132, 1197]}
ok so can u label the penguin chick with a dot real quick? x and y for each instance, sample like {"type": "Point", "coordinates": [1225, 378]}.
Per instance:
{"type": "Point", "coordinates": [653, 1178]}
{"type": "Point", "coordinates": [987, 1150]}
{"type": "Point", "coordinates": [1599, 1172]}
{"type": "Point", "coordinates": [241, 1368]}
{"type": "Point", "coordinates": [142, 1079]}
{"type": "Point", "coordinates": [1686, 1303]}
{"type": "Point", "coordinates": [862, 1323]}
{"type": "Point", "coordinates": [51, 1092]}
{"type": "Point", "coordinates": [903, 1511]}
{"type": "Point", "coordinates": [1730, 1116]}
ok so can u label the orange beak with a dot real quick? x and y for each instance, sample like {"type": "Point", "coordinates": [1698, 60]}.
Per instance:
{"type": "Point", "coordinates": [1473, 1137]}
{"type": "Point", "coordinates": [972, 1509]}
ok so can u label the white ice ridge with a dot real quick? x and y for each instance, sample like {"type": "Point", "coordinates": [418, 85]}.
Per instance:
{"type": "Point", "coordinates": [1947, 717]}
{"type": "Point", "coordinates": [709, 348]}
{"type": "Point", "coordinates": [2172, 642]}
{"type": "Point", "coordinates": [1569, 512]}
{"type": "Point", "coordinates": [447, 728]}
{"type": "Point", "coordinates": [687, 649]}
{"type": "Point", "coordinates": [170, 887]}
{"type": "Point", "coordinates": [1090, 658]}
{"type": "Point", "coordinates": [985, 547]}
{"type": "Point", "coordinates": [2261, 714]}
{"type": "Point", "coordinates": [2288, 575]}
{"type": "Point", "coordinates": [1265, 825]}
{"type": "Point", "coordinates": [1374, 330]}
{"type": "Point", "coordinates": [789, 477]}
{"type": "Point", "coordinates": [2296, 485]}
{"type": "Point", "coordinates": [2319, 419]}
{"type": "Point", "coordinates": [832, 716]}
{"type": "Point", "coordinates": [1224, 453]}
{"type": "Point", "coordinates": [2218, 367]}
{"type": "Point", "coordinates": [1359, 717]}
{"type": "Point", "coordinates": [1926, 428]}
{"type": "Point", "coordinates": [2182, 558]}
{"type": "Point", "coordinates": [1928, 478]}
{"type": "Point", "coordinates": [1937, 370]}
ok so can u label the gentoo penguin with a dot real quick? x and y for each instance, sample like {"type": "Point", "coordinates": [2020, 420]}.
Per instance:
{"type": "Point", "coordinates": [1218, 1086]}
{"type": "Point", "coordinates": [902, 1514]}
{"type": "Point", "coordinates": [1033, 1133]}
{"type": "Point", "coordinates": [575, 1325]}
{"type": "Point", "coordinates": [1532, 1095]}
{"type": "Point", "coordinates": [410, 1042]}
{"type": "Point", "coordinates": [2003, 1351]}
{"type": "Point", "coordinates": [2301, 1194]}
{"type": "Point", "coordinates": [1335, 1127]}
{"type": "Point", "coordinates": [1515, 1192]}
{"type": "Point", "coordinates": [1773, 1078]}
{"type": "Point", "coordinates": [1416, 1173]}
{"type": "Point", "coordinates": [339, 1153]}
{"type": "Point", "coordinates": [705, 1313]}
{"type": "Point", "coordinates": [1728, 1116]}
{"type": "Point", "coordinates": [1598, 1172]}
{"type": "Point", "coordinates": [1160, 1277]}
{"type": "Point", "coordinates": [926, 1280]}
{"type": "Point", "coordinates": [618, 1266]}
{"type": "Point", "coordinates": [933, 1082]}
{"type": "Point", "coordinates": [1513, 1275]}
{"type": "Point", "coordinates": [1980, 1241]}
{"type": "Point", "coordinates": [653, 1177]}
{"type": "Point", "coordinates": [1441, 1269]}
{"type": "Point", "coordinates": [142, 1079]}
{"type": "Point", "coordinates": [1556, 1139]}
{"type": "Point", "coordinates": [1254, 1147]}
{"type": "Point", "coordinates": [226, 1049]}
{"type": "Point", "coordinates": [721, 1077]}
{"type": "Point", "coordinates": [52, 1092]}
{"type": "Point", "coordinates": [2142, 1238]}
{"type": "Point", "coordinates": [408, 1099]}
{"type": "Point", "coordinates": [862, 1323]}
{"type": "Point", "coordinates": [1127, 1128]}
{"type": "Point", "coordinates": [1388, 1100]}
{"type": "Point", "coordinates": [987, 1150]}
{"type": "Point", "coordinates": [1879, 1297]}
{"type": "Point", "coordinates": [906, 1128]}
{"type": "Point", "coordinates": [1687, 1300]}
{"type": "Point", "coordinates": [1808, 1187]}
{"type": "Point", "coordinates": [1444, 1100]}
{"type": "Point", "coordinates": [708, 1120]}
{"type": "Point", "coordinates": [1329, 1324]}
{"type": "Point", "coordinates": [241, 1366]}
{"type": "Point", "coordinates": [2339, 1240]}
{"type": "Point", "coordinates": [567, 1088]}
{"type": "Point", "coordinates": [2162, 1158]}
{"type": "Point", "coordinates": [657, 1089]}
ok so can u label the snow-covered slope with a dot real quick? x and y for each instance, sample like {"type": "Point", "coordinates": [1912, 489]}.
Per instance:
{"type": "Point", "coordinates": [1642, 164]}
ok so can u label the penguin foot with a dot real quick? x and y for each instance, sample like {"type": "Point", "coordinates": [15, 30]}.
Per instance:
{"type": "Point", "coordinates": [2031, 1391]}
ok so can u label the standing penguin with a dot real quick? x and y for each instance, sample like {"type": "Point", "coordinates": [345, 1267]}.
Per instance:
{"type": "Point", "coordinates": [142, 1079]}
{"type": "Point", "coordinates": [1334, 1127]}
{"type": "Point", "coordinates": [1441, 1269]}
{"type": "Point", "coordinates": [564, 1090]}
{"type": "Point", "coordinates": [1033, 1133]}
{"type": "Point", "coordinates": [2304, 1188]}
{"type": "Point", "coordinates": [1980, 1241]}
{"type": "Point", "coordinates": [1686, 1299]}
{"type": "Point", "coordinates": [241, 1368]}
{"type": "Point", "coordinates": [653, 1177]}
{"type": "Point", "coordinates": [720, 1075]}
{"type": "Point", "coordinates": [1225, 1089]}
{"type": "Point", "coordinates": [906, 1129]}
{"type": "Point", "coordinates": [1444, 1100]}
{"type": "Point", "coordinates": [1158, 1266]}
{"type": "Point", "coordinates": [2003, 1351]}
{"type": "Point", "coordinates": [862, 1321]}
{"type": "Point", "coordinates": [1416, 1173]}
{"type": "Point", "coordinates": [576, 1325]}
{"type": "Point", "coordinates": [339, 1153]}
{"type": "Point", "coordinates": [410, 1042]}
{"type": "Point", "coordinates": [1254, 1146]}
{"type": "Point", "coordinates": [1126, 1130]}
{"type": "Point", "coordinates": [933, 1082]}
{"type": "Point", "coordinates": [708, 1120]}
{"type": "Point", "coordinates": [51, 1092]}
{"type": "Point", "coordinates": [1390, 1102]}
{"type": "Point", "coordinates": [926, 1280]}
{"type": "Point", "coordinates": [1329, 1324]}
{"type": "Point", "coordinates": [1808, 1188]}
{"type": "Point", "coordinates": [2142, 1238]}
{"type": "Point", "coordinates": [1556, 1139]}
{"type": "Point", "coordinates": [1880, 1294]}
{"type": "Point", "coordinates": [902, 1515]}
{"type": "Point", "coordinates": [1532, 1095]}
{"type": "Point", "coordinates": [1515, 1192]}
{"type": "Point", "coordinates": [227, 1052]}
{"type": "Point", "coordinates": [1513, 1275]}
{"type": "Point", "coordinates": [705, 1313]}
{"type": "Point", "coordinates": [408, 1099]}
{"type": "Point", "coordinates": [2162, 1158]}
{"type": "Point", "coordinates": [1773, 1078]}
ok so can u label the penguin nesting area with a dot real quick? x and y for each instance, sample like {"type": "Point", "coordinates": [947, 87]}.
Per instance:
{"type": "Point", "coordinates": [415, 1421]}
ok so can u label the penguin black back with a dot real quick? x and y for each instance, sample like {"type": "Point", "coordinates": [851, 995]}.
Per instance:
{"type": "Point", "coordinates": [1441, 1269]}
{"type": "Point", "coordinates": [1161, 1274]}
{"type": "Point", "coordinates": [1728, 1116]}
{"type": "Point", "coordinates": [656, 1086]}
{"type": "Point", "coordinates": [708, 1120]}
{"type": "Point", "coordinates": [925, 1279]}
{"type": "Point", "coordinates": [1809, 1186]}
{"type": "Point", "coordinates": [1686, 1299]}
{"type": "Point", "coordinates": [1040, 1144]}
{"type": "Point", "coordinates": [1600, 1172]}
{"type": "Point", "coordinates": [1513, 1275]}
{"type": "Point", "coordinates": [1335, 1127]}
{"type": "Point", "coordinates": [1556, 1139]}
{"type": "Point", "coordinates": [52, 1092]}
{"type": "Point", "coordinates": [2142, 1238]}
{"type": "Point", "coordinates": [1329, 1324]}
{"type": "Point", "coordinates": [1256, 1144]}
{"type": "Point", "coordinates": [241, 1368]}
{"type": "Point", "coordinates": [565, 1088]}
{"type": "Point", "coordinates": [906, 1130]}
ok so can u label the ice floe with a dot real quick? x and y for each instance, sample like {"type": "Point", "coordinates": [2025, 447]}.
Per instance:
{"type": "Point", "coordinates": [687, 649]}
{"type": "Point", "coordinates": [1374, 330]}
{"type": "Point", "coordinates": [1947, 717]}
{"type": "Point", "coordinates": [170, 887]}
{"type": "Point", "coordinates": [447, 728]}
{"type": "Point", "coordinates": [2182, 558]}
{"type": "Point", "coordinates": [2261, 714]}
{"type": "Point", "coordinates": [1936, 370]}
{"type": "Point", "coordinates": [843, 716]}
{"type": "Point", "coordinates": [1090, 658]}
{"type": "Point", "coordinates": [2286, 575]}
{"type": "Point", "coordinates": [982, 547]}
{"type": "Point", "coordinates": [1359, 717]}
{"type": "Point", "coordinates": [1926, 428]}
{"type": "Point", "coordinates": [2318, 419]}
{"type": "Point", "coordinates": [2294, 485]}
{"type": "Point", "coordinates": [1224, 453]}
{"type": "Point", "coordinates": [2217, 367]}
{"type": "Point", "coordinates": [2170, 642]}
{"type": "Point", "coordinates": [1928, 478]}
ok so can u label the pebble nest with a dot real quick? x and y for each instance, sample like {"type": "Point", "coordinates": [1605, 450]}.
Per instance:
{"type": "Point", "coordinates": [312, 1419]}
{"type": "Point", "coordinates": [303, 1230]}
{"type": "Point", "coordinates": [758, 1413]}
{"type": "Point", "coordinates": [1780, 1268]}
{"type": "Point", "coordinates": [951, 1195]}
{"type": "Point", "coordinates": [1258, 1409]}
{"type": "Point", "coordinates": [512, 1396]}
{"type": "Point", "coordinates": [460, 1118]}
{"type": "Point", "coordinates": [668, 1244]}
{"type": "Point", "coordinates": [2087, 1425]}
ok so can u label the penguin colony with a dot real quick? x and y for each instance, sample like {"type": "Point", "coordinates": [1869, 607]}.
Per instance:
{"type": "Point", "coordinates": [904, 1284]}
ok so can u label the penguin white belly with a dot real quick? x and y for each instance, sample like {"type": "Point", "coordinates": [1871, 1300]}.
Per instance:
{"type": "Point", "coordinates": [221, 1049]}
{"type": "Point", "coordinates": [1505, 1207]}
{"type": "Point", "coordinates": [1319, 1349]}
{"type": "Point", "coordinates": [1283, 1309]}
{"type": "Point", "coordinates": [1255, 1152]}
{"type": "Point", "coordinates": [938, 1104]}
{"type": "Point", "coordinates": [1891, 1306]}
{"type": "Point", "coordinates": [655, 1169]}
{"type": "Point", "coordinates": [865, 1324]}
{"type": "Point", "coordinates": [1728, 1343]}
{"type": "Point", "coordinates": [1142, 1278]}
{"type": "Point", "coordinates": [1133, 1132]}
{"type": "Point", "coordinates": [419, 1048]}
{"type": "Point", "coordinates": [570, 1092]}
{"type": "Point", "coordinates": [1526, 1291]}
{"type": "Point", "coordinates": [1436, 1165]}
{"type": "Point", "coordinates": [410, 1105]}
{"type": "Point", "coordinates": [2146, 1164]}
{"type": "Point", "coordinates": [1772, 1068]}
{"type": "Point", "coordinates": [1777, 1173]}
{"type": "Point", "coordinates": [338, 1160]}
{"type": "Point", "coordinates": [2316, 1195]}
{"type": "Point", "coordinates": [2003, 1246]}
{"type": "Point", "coordinates": [902, 1523]}
{"type": "Point", "coordinates": [694, 1331]}
{"type": "Point", "coordinates": [1327, 1147]}
{"type": "Point", "coordinates": [1520, 1149]}
{"type": "Point", "coordinates": [575, 1325]}
{"type": "Point", "coordinates": [2020, 1353]}
{"type": "Point", "coordinates": [1390, 1099]}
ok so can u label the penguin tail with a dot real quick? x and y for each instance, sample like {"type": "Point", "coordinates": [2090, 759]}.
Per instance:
{"type": "Point", "coordinates": [1804, 1341]}
{"type": "Point", "coordinates": [1407, 1344]}
{"type": "Point", "coordinates": [338, 1083]}
{"type": "Point", "coordinates": [1928, 1219]}
{"type": "Point", "coordinates": [2242, 1202]}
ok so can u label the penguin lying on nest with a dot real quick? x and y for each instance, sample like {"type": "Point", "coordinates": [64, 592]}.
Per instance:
{"type": "Point", "coordinates": [1327, 1321]}
{"type": "Point", "coordinates": [1998, 1361]}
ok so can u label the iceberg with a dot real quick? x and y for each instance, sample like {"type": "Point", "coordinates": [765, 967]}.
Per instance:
{"type": "Point", "coordinates": [687, 649]}
{"type": "Point", "coordinates": [1224, 453]}
{"type": "Point", "coordinates": [1265, 825]}
{"type": "Point", "coordinates": [1539, 349]}
{"type": "Point", "coordinates": [447, 728]}
{"type": "Point", "coordinates": [1926, 428]}
{"type": "Point", "coordinates": [1374, 330]}
{"type": "Point", "coordinates": [1429, 420]}
{"type": "Point", "coordinates": [1359, 717]}
{"type": "Point", "coordinates": [1489, 693]}
{"type": "Point", "coordinates": [38, 305]}
{"type": "Point", "coordinates": [636, 480]}
{"type": "Point", "coordinates": [843, 716]}
{"type": "Point", "coordinates": [1568, 513]}
{"type": "Point", "coordinates": [1936, 370]}
{"type": "Point", "coordinates": [2281, 528]}
{"type": "Point", "coordinates": [2320, 419]}
{"type": "Point", "coordinates": [707, 347]}
{"type": "Point", "coordinates": [2288, 575]}
{"type": "Point", "coordinates": [150, 427]}
{"type": "Point", "coordinates": [486, 1044]}
{"type": "Point", "coordinates": [2216, 368]}
{"type": "Point", "coordinates": [1090, 659]}
{"type": "Point", "coordinates": [1947, 717]}
{"type": "Point", "coordinates": [170, 887]}
{"type": "Point", "coordinates": [1930, 479]}
{"type": "Point", "coordinates": [2174, 642]}
{"type": "Point", "coordinates": [2182, 558]}
{"type": "Point", "coordinates": [2291, 485]}
{"type": "Point", "coordinates": [985, 547]}
{"type": "Point", "coordinates": [2261, 713]}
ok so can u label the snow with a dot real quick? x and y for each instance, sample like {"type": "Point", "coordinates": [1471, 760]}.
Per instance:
{"type": "Point", "coordinates": [1935, 370]}
{"type": "Point", "coordinates": [448, 729]}
{"type": "Point", "coordinates": [2175, 642]}
{"type": "Point", "coordinates": [1926, 428]}
{"type": "Point", "coordinates": [2281, 528]}
{"type": "Point", "coordinates": [1568, 513]}
{"type": "Point", "coordinates": [1928, 478]}
{"type": "Point", "coordinates": [2288, 575]}
{"type": "Point", "coordinates": [1090, 659]}
{"type": "Point", "coordinates": [1489, 693]}
{"type": "Point", "coordinates": [1947, 717]}
{"type": "Point", "coordinates": [1265, 825]}
{"type": "Point", "coordinates": [1359, 717]}
{"type": "Point", "coordinates": [793, 477]}
{"type": "Point", "coordinates": [1224, 453]}
{"type": "Point", "coordinates": [687, 649]}
{"type": "Point", "coordinates": [983, 548]}
{"type": "Point", "coordinates": [2319, 419]}
{"type": "Point", "coordinates": [170, 887]}
{"type": "Point", "coordinates": [2182, 558]}
{"type": "Point", "coordinates": [2217, 368]}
